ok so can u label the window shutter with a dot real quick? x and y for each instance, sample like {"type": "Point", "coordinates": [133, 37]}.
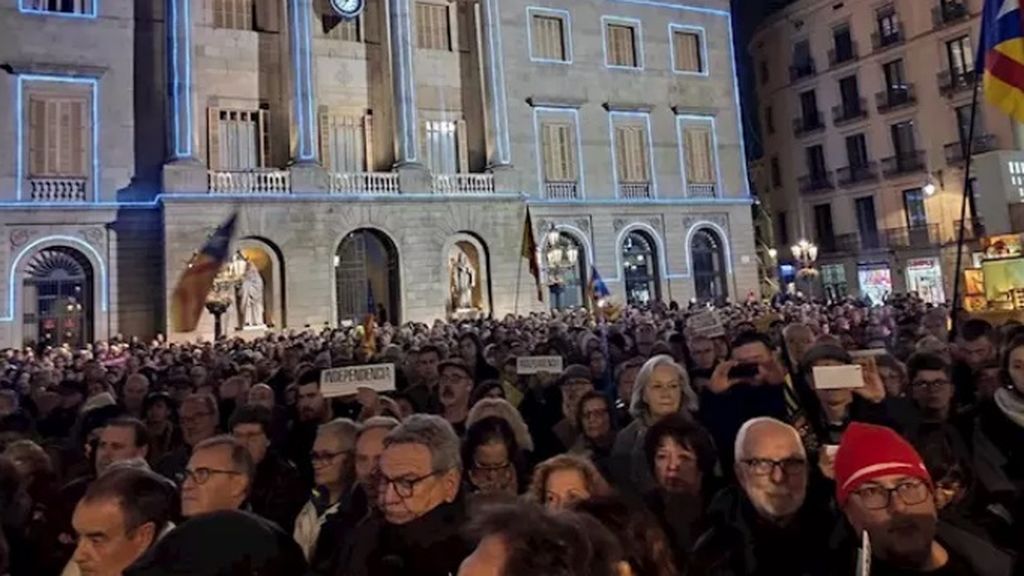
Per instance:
{"type": "Point", "coordinates": [263, 132]}
{"type": "Point", "coordinates": [548, 152]}
{"type": "Point", "coordinates": [687, 49]}
{"type": "Point", "coordinates": [461, 147]}
{"type": "Point", "coordinates": [569, 152]}
{"type": "Point", "coordinates": [371, 164]}
{"type": "Point", "coordinates": [77, 128]}
{"type": "Point", "coordinates": [37, 137]}
{"type": "Point", "coordinates": [621, 154]}
{"type": "Point", "coordinates": [325, 141]}
{"type": "Point", "coordinates": [267, 16]}
{"type": "Point", "coordinates": [213, 138]}
{"type": "Point", "coordinates": [424, 146]}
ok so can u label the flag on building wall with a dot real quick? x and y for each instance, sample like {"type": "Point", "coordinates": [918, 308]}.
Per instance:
{"type": "Point", "coordinates": [194, 285]}
{"type": "Point", "coordinates": [529, 251]}
{"type": "Point", "coordinates": [598, 289]}
{"type": "Point", "coordinates": [1001, 56]}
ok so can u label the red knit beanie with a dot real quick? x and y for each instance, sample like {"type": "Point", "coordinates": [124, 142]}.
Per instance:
{"type": "Point", "coordinates": [868, 452]}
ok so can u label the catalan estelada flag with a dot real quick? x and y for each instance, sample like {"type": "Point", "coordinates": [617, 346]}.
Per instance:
{"type": "Point", "coordinates": [529, 251]}
{"type": "Point", "coordinates": [1001, 56]}
{"type": "Point", "coordinates": [190, 294]}
{"type": "Point", "coordinates": [598, 289]}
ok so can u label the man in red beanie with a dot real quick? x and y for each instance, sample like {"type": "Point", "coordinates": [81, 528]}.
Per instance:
{"type": "Point", "coordinates": [884, 488]}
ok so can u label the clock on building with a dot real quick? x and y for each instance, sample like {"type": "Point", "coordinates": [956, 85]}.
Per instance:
{"type": "Point", "coordinates": [348, 8]}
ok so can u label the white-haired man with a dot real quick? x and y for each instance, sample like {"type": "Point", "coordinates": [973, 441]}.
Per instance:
{"type": "Point", "coordinates": [765, 524]}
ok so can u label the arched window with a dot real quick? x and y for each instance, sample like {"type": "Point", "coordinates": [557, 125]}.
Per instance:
{"type": "Point", "coordinates": [640, 268]}
{"type": "Point", "coordinates": [366, 277]}
{"type": "Point", "coordinates": [707, 257]}
{"type": "Point", "coordinates": [57, 306]}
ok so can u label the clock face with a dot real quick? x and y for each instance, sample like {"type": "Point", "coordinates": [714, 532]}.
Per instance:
{"type": "Point", "coordinates": [348, 8]}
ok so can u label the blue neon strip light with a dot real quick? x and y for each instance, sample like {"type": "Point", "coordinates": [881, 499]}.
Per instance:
{"type": "Point", "coordinates": [498, 100]}
{"type": "Point", "coordinates": [310, 127]}
{"type": "Point", "coordinates": [57, 239]}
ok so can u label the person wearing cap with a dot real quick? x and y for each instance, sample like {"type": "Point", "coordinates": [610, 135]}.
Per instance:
{"type": "Point", "coordinates": [574, 383]}
{"type": "Point", "coordinates": [456, 384]}
{"type": "Point", "coordinates": [885, 490]}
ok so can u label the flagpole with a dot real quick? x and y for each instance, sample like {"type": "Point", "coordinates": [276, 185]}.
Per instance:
{"type": "Point", "coordinates": [519, 274]}
{"type": "Point", "coordinates": [968, 152]}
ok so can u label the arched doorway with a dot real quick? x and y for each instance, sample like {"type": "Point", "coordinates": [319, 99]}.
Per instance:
{"type": "Point", "coordinates": [707, 258]}
{"type": "Point", "coordinates": [640, 268]}
{"type": "Point", "coordinates": [267, 259]}
{"type": "Point", "coordinates": [366, 276]}
{"type": "Point", "coordinates": [565, 260]}
{"type": "Point", "coordinates": [57, 302]}
{"type": "Point", "coordinates": [468, 279]}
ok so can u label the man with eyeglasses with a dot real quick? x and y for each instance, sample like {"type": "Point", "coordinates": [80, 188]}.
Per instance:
{"type": "Point", "coordinates": [766, 525]}
{"type": "Point", "coordinates": [198, 417]}
{"type": "Point", "coordinates": [422, 510]}
{"type": "Point", "coordinates": [885, 490]}
{"type": "Point", "coordinates": [456, 385]}
{"type": "Point", "coordinates": [218, 477]}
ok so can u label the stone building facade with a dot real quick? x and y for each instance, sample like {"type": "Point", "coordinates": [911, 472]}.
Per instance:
{"type": "Point", "coordinates": [367, 157]}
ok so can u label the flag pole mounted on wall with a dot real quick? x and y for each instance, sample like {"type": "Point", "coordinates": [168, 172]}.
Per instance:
{"type": "Point", "coordinates": [1001, 66]}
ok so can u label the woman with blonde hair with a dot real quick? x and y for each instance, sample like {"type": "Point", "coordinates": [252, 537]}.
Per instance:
{"type": "Point", "coordinates": [564, 480]}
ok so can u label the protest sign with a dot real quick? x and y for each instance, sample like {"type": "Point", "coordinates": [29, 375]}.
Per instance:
{"type": "Point", "coordinates": [527, 365]}
{"type": "Point", "coordinates": [347, 381]}
{"type": "Point", "coordinates": [705, 323]}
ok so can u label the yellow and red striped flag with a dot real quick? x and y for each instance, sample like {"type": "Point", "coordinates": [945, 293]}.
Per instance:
{"type": "Point", "coordinates": [529, 251]}
{"type": "Point", "coordinates": [190, 294]}
{"type": "Point", "coordinates": [1001, 56]}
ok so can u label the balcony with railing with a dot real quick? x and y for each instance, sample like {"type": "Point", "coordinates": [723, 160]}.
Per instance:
{"type": "Point", "coordinates": [701, 189]}
{"type": "Point", "coordinates": [363, 183]}
{"type": "Point", "coordinates": [895, 97]}
{"type": "Point", "coordinates": [634, 190]}
{"type": "Point", "coordinates": [954, 81]}
{"type": "Point", "coordinates": [857, 174]}
{"type": "Point", "coordinates": [883, 41]}
{"type": "Point", "coordinates": [949, 12]}
{"type": "Point", "coordinates": [905, 163]}
{"type": "Point", "coordinates": [840, 56]}
{"type": "Point", "coordinates": [57, 189]}
{"type": "Point", "coordinates": [561, 190]}
{"type": "Point", "coordinates": [256, 182]}
{"type": "Point", "coordinates": [463, 184]}
{"type": "Point", "coordinates": [922, 236]}
{"type": "Point", "coordinates": [808, 123]}
{"type": "Point", "coordinates": [848, 112]}
{"type": "Point", "coordinates": [974, 229]}
{"type": "Point", "coordinates": [980, 145]}
{"type": "Point", "coordinates": [838, 243]}
{"type": "Point", "coordinates": [801, 70]}
{"type": "Point", "coordinates": [816, 183]}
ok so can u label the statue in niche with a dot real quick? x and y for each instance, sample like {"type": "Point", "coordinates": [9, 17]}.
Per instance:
{"type": "Point", "coordinates": [250, 298]}
{"type": "Point", "coordinates": [463, 281]}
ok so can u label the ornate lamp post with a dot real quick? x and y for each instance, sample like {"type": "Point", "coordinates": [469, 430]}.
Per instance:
{"type": "Point", "coordinates": [222, 293]}
{"type": "Point", "coordinates": [806, 253]}
{"type": "Point", "coordinates": [562, 256]}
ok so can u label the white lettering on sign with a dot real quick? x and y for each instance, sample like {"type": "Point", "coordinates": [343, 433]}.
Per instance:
{"type": "Point", "coordinates": [348, 380]}
{"type": "Point", "coordinates": [539, 364]}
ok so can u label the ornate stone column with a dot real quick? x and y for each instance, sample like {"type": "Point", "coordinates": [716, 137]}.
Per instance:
{"type": "Point", "coordinates": [499, 148]}
{"type": "Point", "coordinates": [300, 13]}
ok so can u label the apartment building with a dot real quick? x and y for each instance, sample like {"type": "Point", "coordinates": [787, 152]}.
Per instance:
{"type": "Point", "coordinates": [378, 152]}
{"type": "Point", "coordinates": [865, 110]}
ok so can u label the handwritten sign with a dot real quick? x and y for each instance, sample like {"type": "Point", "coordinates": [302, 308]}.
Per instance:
{"type": "Point", "coordinates": [705, 323]}
{"type": "Point", "coordinates": [527, 365]}
{"type": "Point", "coordinates": [348, 380]}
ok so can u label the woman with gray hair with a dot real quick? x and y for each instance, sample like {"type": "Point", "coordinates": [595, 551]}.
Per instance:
{"type": "Point", "coordinates": [662, 388]}
{"type": "Point", "coordinates": [507, 412]}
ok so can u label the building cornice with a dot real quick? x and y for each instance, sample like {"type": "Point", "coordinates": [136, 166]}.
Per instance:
{"type": "Point", "coordinates": [55, 69]}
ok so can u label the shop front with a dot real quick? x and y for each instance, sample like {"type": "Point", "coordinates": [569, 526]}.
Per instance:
{"type": "Point", "coordinates": [924, 276]}
{"type": "Point", "coordinates": [875, 280]}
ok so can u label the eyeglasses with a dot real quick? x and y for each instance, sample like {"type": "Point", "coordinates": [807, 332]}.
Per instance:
{"type": "Point", "coordinates": [186, 420]}
{"type": "Point", "coordinates": [766, 467]}
{"type": "Point", "coordinates": [404, 487]}
{"type": "Point", "coordinates": [484, 473]}
{"type": "Point", "coordinates": [929, 384]}
{"type": "Point", "coordinates": [326, 456]}
{"type": "Point", "coordinates": [202, 475]}
{"type": "Point", "coordinates": [875, 497]}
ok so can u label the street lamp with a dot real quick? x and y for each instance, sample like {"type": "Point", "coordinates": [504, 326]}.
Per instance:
{"type": "Point", "coordinates": [222, 293]}
{"type": "Point", "coordinates": [562, 256]}
{"type": "Point", "coordinates": [773, 254]}
{"type": "Point", "coordinates": [806, 253]}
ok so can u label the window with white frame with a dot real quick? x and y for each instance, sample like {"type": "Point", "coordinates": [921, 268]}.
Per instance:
{"type": "Point", "coordinates": [548, 32]}
{"type": "Point", "coordinates": [699, 158]}
{"type": "Point", "coordinates": [621, 44]}
{"type": "Point", "coordinates": [60, 6]}
{"type": "Point", "coordinates": [344, 142]}
{"type": "Point", "coordinates": [687, 51]}
{"type": "Point", "coordinates": [441, 146]}
{"type": "Point", "coordinates": [558, 148]}
{"type": "Point", "coordinates": [238, 139]}
{"type": "Point", "coordinates": [632, 160]}
{"type": "Point", "coordinates": [432, 26]}
{"type": "Point", "coordinates": [235, 14]}
{"type": "Point", "coordinates": [338, 28]}
{"type": "Point", "coordinates": [58, 136]}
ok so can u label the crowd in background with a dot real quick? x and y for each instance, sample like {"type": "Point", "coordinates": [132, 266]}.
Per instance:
{"type": "Point", "coordinates": [675, 440]}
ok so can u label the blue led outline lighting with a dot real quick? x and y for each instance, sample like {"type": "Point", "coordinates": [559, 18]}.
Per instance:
{"type": "Point", "coordinates": [188, 77]}
{"type": "Point", "coordinates": [406, 84]}
{"type": "Point", "coordinates": [310, 126]}
{"type": "Point", "coordinates": [659, 248]}
{"type": "Point", "coordinates": [499, 102]}
{"type": "Point", "coordinates": [721, 236]}
{"type": "Point", "coordinates": [638, 27]}
{"type": "Point", "coordinates": [20, 128]}
{"type": "Point", "coordinates": [175, 111]}
{"type": "Point", "coordinates": [566, 18]}
{"type": "Point", "coordinates": [693, 119]}
{"type": "Point", "coordinates": [181, 89]}
{"type": "Point", "coordinates": [297, 77]}
{"type": "Point", "coordinates": [745, 182]}
{"type": "Point", "coordinates": [55, 239]}
{"type": "Point", "coordinates": [91, 15]}
{"type": "Point", "coordinates": [735, 201]}
{"type": "Point", "coordinates": [705, 56]}
{"type": "Point", "coordinates": [681, 7]}
{"type": "Point", "coordinates": [650, 148]}
{"type": "Point", "coordinates": [539, 147]}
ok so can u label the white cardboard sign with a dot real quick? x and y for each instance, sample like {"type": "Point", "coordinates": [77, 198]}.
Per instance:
{"type": "Point", "coordinates": [539, 364]}
{"type": "Point", "coordinates": [348, 380]}
{"type": "Point", "coordinates": [838, 377]}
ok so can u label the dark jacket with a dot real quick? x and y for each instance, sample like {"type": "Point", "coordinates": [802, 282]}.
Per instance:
{"type": "Point", "coordinates": [723, 414]}
{"type": "Point", "coordinates": [740, 543]}
{"type": "Point", "coordinates": [432, 545]}
{"type": "Point", "coordinates": [337, 533]}
{"type": "Point", "coordinates": [278, 491]}
{"type": "Point", "coordinates": [682, 518]}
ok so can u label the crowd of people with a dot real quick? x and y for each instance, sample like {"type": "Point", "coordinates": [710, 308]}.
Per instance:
{"type": "Point", "coordinates": [674, 440]}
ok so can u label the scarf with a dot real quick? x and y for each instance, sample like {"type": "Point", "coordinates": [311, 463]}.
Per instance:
{"type": "Point", "coordinates": [1011, 404]}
